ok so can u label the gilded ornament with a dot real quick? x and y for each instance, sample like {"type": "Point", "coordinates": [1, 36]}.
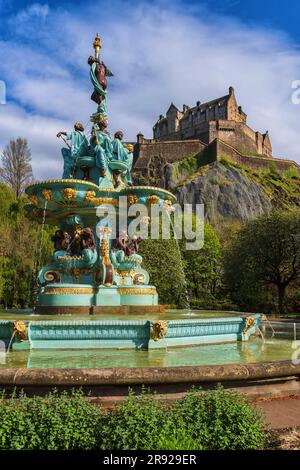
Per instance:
{"type": "Point", "coordinates": [90, 195]}
{"type": "Point", "coordinates": [68, 194]}
{"type": "Point", "coordinates": [136, 291]}
{"type": "Point", "coordinates": [158, 330]}
{"type": "Point", "coordinates": [20, 330]}
{"type": "Point", "coordinates": [152, 199]}
{"type": "Point", "coordinates": [104, 245]}
{"type": "Point", "coordinates": [132, 199]}
{"type": "Point", "coordinates": [52, 276]}
{"type": "Point", "coordinates": [250, 322]}
{"type": "Point", "coordinates": [99, 201]}
{"type": "Point", "coordinates": [34, 200]}
{"type": "Point", "coordinates": [68, 290]}
{"type": "Point", "coordinates": [47, 194]}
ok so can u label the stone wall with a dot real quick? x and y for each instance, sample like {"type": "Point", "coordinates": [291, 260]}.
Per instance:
{"type": "Point", "coordinates": [152, 156]}
{"type": "Point", "coordinates": [255, 162]}
{"type": "Point", "coordinates": [165, 151]}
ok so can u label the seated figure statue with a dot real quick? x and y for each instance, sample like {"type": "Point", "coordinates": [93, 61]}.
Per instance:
{"type": "Point", "coordinates": [123, 153]}
{"type": "Point", "coordinates": [124, 252]}
{"type": "Point", "coordinates": [77, 252]}
{"type": "Point", "coordinates": [101, 145]}
{"type": "Point", "coordinates": [78, 147]}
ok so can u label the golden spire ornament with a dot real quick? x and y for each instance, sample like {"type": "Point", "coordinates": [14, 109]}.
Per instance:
{"type": "Point", "coordinates": [97, 46]}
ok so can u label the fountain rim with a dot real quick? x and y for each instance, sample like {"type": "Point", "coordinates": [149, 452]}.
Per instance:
{"type": "Point", "coordinates": [147, 375]}
{"type": "Point", "coordinates": [127, 190]}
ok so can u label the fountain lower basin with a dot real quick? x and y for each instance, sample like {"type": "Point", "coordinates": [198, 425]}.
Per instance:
{"type": "Point", "coordinates": [129, 334]}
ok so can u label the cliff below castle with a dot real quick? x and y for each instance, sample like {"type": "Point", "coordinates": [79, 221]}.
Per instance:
{"type": "Point", "coordinates": [232, 191]}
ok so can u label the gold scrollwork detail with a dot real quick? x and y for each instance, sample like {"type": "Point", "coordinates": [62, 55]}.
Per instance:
{"type": "Point", "coordinates": [34, 200]}
{"type": "Point", "coordinates": [132, 199]}
{"type": "Point", "coordinates": [139, 278]}
{"type": "Point", "coordinates": [47, 194]}
{"type": "Point", "coordinates": [68, 194]}
{"type": "Point", "coordinates": [152, 199]}
{"type": "Point", "coordinates": [52, 276]}
{"type": "Point", "coordinates": [20, 330]}
{"type": "Point", "coordinates": [134, 291]}
{"type": "Point", "coordinates": [250, 322]}
{"type": "Point", "coordinates": [99, 201]}
{"type": "Point", "coordinates": [158, 330]}
{"type": "Point", "coordinates": [69, 290]}
{"type": "Point", "coordinates": [104, 245]}
{"type": "Point", "coordinates": [90, 195]}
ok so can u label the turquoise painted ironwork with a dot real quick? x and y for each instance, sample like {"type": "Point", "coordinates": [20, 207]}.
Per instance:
{"type": "Point", "coordinates": [136, 334]}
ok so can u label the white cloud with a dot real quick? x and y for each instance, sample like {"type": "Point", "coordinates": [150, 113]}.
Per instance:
{"type": "Point", "coordinates": [33, 12]}
{"type": "Point", "coordinates": [158, 54]}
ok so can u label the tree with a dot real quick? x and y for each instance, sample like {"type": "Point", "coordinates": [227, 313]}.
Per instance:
{"type": "Point", "coordinates": [265, 254]}
{"type": "Point", "coordinates": [203, 267]}
{"type": "Point", "coordinates": [22, 251]}
{"type": "Point", "coordinates": [16, 170]}
{"type": "Point", "coordinates": [161, 258]}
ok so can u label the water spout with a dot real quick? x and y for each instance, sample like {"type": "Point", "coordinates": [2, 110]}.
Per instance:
{"type": "Point", "coordinates": [271, 327]}
{"type": "Point", "coordinates": [10, 341]}
{"type": "Point", "coordinates": [186, 292]}
{"type": "Point", "coordinates": [261, 335]}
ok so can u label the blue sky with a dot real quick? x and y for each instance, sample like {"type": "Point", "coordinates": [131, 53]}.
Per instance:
{"type": "Point", "coordinates": [159, 51]}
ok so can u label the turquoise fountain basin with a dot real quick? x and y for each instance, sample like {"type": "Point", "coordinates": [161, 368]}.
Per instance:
{"type": "Point", "coordinates": [130, 334]}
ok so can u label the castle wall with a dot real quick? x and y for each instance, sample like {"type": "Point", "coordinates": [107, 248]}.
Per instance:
{"type": "Point", "coordinates": [152, 155]}
{"type": "Point", "coordinates": [254, 162]}
{"type": "Point", "coordinates": [168, 151]}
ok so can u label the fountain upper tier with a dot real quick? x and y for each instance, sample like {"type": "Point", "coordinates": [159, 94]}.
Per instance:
{"type": "Point", "coordinates": [61, 198]}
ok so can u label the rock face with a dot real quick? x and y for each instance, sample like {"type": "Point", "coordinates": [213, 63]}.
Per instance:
{"type": "Point", "coordinates": [226, 192]}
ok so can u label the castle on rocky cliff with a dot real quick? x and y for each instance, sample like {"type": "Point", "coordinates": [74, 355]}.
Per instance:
{"type": "Point", "coordinates": [210, 130]}
{"type": "Point", "coordinates": [221, 118]}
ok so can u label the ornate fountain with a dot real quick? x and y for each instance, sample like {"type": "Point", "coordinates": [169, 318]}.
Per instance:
{"type": "Point", "coordinates": [95, 267]}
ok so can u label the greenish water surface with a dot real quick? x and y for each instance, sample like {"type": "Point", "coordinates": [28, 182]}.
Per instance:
{"type": "Point", "coordinates": [255, 350]}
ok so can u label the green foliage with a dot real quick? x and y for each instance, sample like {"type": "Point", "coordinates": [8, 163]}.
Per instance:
{"type": "Point", "coordinates": [54, 423]}
{"type": "Point", "coordinates": [216, 419]}
{"type": "Point", "coordinates": [203, 267]}
{"type": "Point", "coordinates": [23, 247]}
{"type": "Point", "coordinates": [291, 173]}
{"type": "Point", "coordinates": [134, 424]}
{"type": "Point", "coordinates": [162, 259]}
{"type": "Point", "coordinates": [191, 167]}
{"type": "Point", "coordinates": [264, 256]}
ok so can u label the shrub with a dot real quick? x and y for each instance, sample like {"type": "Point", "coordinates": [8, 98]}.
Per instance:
{"type": "Point", "coordinates": [219, 420]}
{"type": "Point", "coordinates": [133, 425]}
{"type": "Point", "coordinates": [57, 422]}
{"type": "Point", "coordinates": [215, 420]}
